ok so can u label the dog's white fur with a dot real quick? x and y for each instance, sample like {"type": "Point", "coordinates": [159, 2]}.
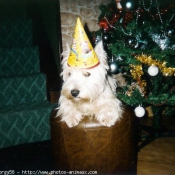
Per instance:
{"type": "Point", "coordinates": [96, 92]}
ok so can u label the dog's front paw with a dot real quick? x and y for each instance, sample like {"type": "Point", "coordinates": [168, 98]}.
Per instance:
{"type": "Point", "coordinates": [71, 122]}
{"type": "Point", "coordinates": [107, 120]}
{"type": "Point", "coordinates": [72, 119]}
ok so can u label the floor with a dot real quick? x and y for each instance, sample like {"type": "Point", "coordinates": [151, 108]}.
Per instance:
{"type": "Point", "coordinates": [32, 156]}
{"type": "Point", "coordinates": [157, 158]}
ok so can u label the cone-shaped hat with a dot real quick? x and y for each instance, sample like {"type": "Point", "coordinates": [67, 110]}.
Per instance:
{"type": "Point", "coordinates": [82, 54]}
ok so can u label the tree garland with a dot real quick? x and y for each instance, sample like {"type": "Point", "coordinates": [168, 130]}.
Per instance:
{"type": "Point", "coordinates": [166, 71]}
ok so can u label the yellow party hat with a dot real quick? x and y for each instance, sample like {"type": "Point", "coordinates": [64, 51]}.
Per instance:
{"type": "Point", "coordinates": [82, 54]}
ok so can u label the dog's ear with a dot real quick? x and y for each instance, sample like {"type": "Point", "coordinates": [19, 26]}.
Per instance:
{"type": "Point", "coordinates": [99, 47]}
{"type": "Point", "coordinates": [101, 54]}
{"type": "Point", "coordinates": [65, 56]}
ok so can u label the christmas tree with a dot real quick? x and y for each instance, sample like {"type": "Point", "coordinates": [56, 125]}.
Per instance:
{"type": "Point", "coordinates": [139, 39]}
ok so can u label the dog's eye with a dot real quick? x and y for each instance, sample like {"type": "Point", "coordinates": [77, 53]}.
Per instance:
{"type": "Point", "coordinates": [69, 74]}
{"type": "Point", "coordinates": [87, 74]}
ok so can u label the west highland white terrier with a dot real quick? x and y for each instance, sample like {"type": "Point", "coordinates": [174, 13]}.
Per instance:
{"type": "Point", "coordinates": [88, 92]}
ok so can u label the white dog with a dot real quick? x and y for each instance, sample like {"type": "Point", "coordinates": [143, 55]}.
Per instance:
{"type": "Point", "coordinates": [88, 92]}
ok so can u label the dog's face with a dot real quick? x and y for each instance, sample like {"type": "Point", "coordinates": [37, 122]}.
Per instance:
{"type": "Point", "coordinates": [84, 85]}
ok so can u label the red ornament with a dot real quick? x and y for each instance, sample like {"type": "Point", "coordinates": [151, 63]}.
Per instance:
{"type": "Point", "coordinates": [103, 23]}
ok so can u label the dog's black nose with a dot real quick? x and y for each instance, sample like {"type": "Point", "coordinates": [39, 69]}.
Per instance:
{"type": "Point", "coordinates": [75, 92]}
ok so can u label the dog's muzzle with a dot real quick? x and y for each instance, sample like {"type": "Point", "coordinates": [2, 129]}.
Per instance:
{"type": "Point", "coordinates": [75, 92]}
